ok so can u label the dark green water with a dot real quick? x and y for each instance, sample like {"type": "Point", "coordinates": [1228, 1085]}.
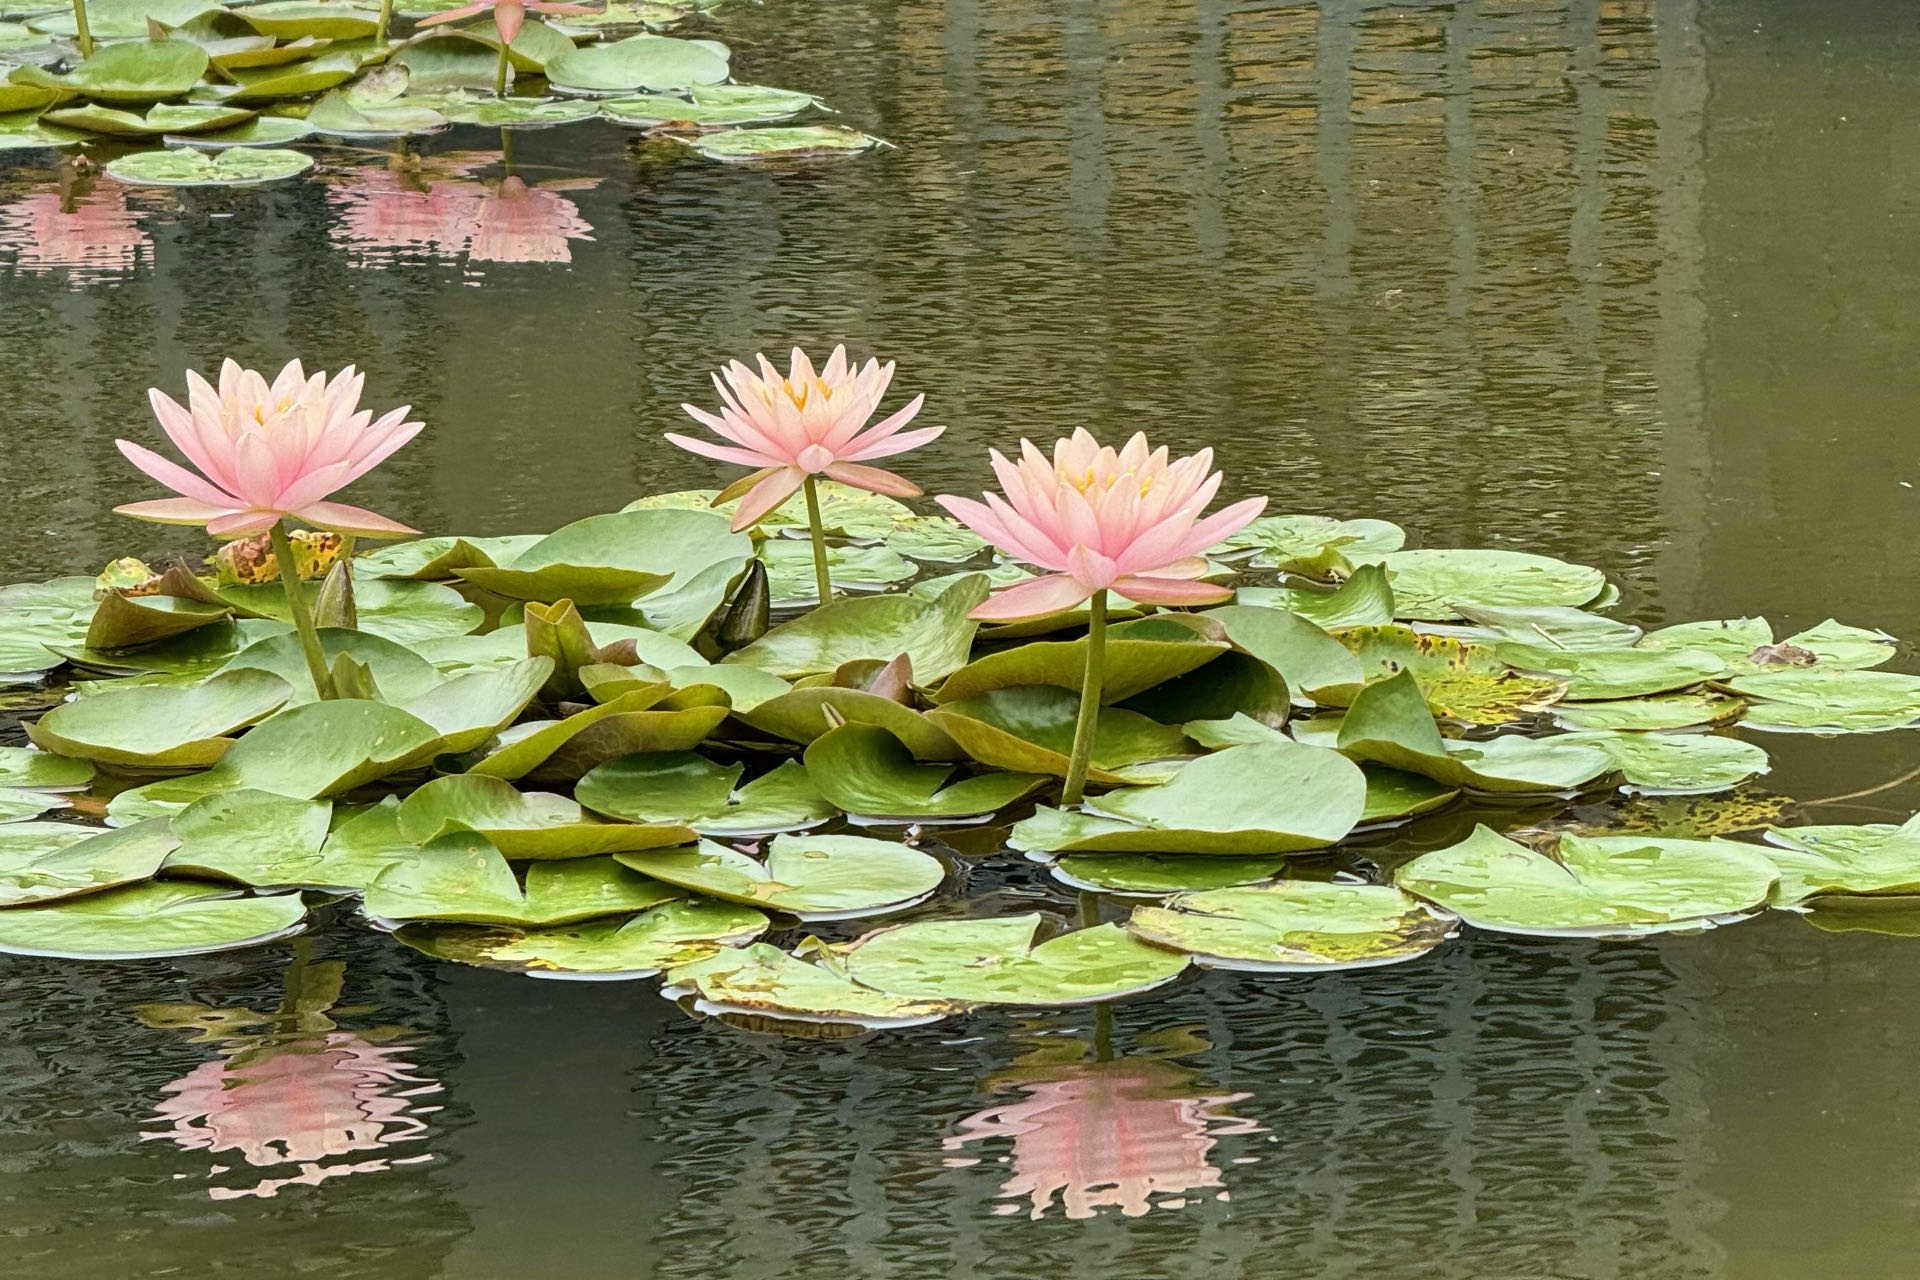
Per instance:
{"type": "Point", "coordinates": [1630, 282]}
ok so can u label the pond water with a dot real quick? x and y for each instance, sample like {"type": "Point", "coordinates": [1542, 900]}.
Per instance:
{"type": "Point", "coordinates": [1626, 281]}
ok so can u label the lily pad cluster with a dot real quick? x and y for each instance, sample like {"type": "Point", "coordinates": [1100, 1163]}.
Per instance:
{"type": "Point", "coordinates": [205, 93]}
{"type": "Point", "coordinates": [638, 746]}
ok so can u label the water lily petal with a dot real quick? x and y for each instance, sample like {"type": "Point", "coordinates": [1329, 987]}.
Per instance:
{"type": "Point", "coordinates": [175, 476]}
{"type": "Point", "coordinates": [724, 453]}
{"type": "Point", "coordinates": [874, 480]}
{"type": "Point", "coordinates": [766, 496]}
{"type": "Point", "coordinates": [243, 524]}
{"type": "Point", "coordinates": [1174, 591]}
{"type": "Point", "coordinates": [1034, 598]}
{"type": "Point", "coordinates": [174, 511]}
{"type": "Point", "coordinates": [341, 518]}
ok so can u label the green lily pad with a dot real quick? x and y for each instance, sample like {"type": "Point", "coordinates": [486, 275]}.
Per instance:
{"type": "Point", "coordinates": [448, 62]}
{"type": "Point", "coordinates": [42, 861]}
{"type": "Point", "coordinates": [854, 569]}
{"type": "Point", "coordinates": [1610, 886]}
{"type": "Point", "coordinates": [1311, 661]}
{"type": "Point", "coordinates": [1748, 647]}
{"type": "Point", "coordinates": [25, 769]}
{"type": "Point", "coordinates": [1824, 861]}
{"type": "Point", "coordinates": [23, 131]}
{"type": "Point", "coordinates": [1667, 711]}
{"type": "Point", "coordinates": [684, 788]}
{"type": "Point", "coordinates": [361, 845]}
{"type": "Point", "coordinates": [318, 749]}
{"type": "Point", "coordinates": [26, 100]}
{"type": "Point", "coordinates": [260, 51]}
{"type": "Point", "coordinates": [293, 19]}
{"type": "Point", "coordinates": [930, 539]}
{"type": "Point", "coordinates": [1428, 583]}
{"type": "Point", "coordinates": [1363, 600]}
{"type": "Point", "coordinates": [400, 611]}
{"type": "Point", "coordinates": [1601, 674]}
{"type": "Point", "coordinates": [1889, 915]}
{"type": "Point", "coordinates": [1552, 628]}
{"type": "Point", "coordinates": [1273, 798]}
{"type": "Point", "coordinates": [762, 981]}
{"type": "Point", "coordinates": [1154, 875]}
{"type": "Point", "coordinates": [1461, 681]}
{"type": "Point", "coordinates": [20, 806]}
{"type": "Point", "coordinates": [1315, 546]}
{"type": "Point", "coordinates": [399, 672]}
{"type": "Point", "coordinates": [461, 878]}
{"type": "Point", "coordinates": [661, 937]}
{"type": "Point", "coordinates": [1295, 926]}
{"type": "Point", "coordinates": [615, 559]}
{"type": "Point", "coordinates": [623, 13]}
{"type": "Point", "coordinates": [1729, 638]}
{"type": "Point", "coordinates": [517, 113]}
{"type": "Point", "coordinates": [1240, 730]}
{"type": "Point", "coordinates": [792, 143]}
{"type": "Point", "coordinates": [132, 71]}
{"type": "Point", "coordinates": [1395, 796]}
{"type": "Point", "coordinates": [441, 559]}
{"type": "Point", "coordinates": [532, 744]}
{"type": "Point", "coordinates": [255, 837]}
{"type": "Point", "coordinates": [523, 824]}
{"type": "Point", "coordinates": [123, 622]}
{"type": "Point", "coordinates": [235, 167]}
{"type": "Point", "coordinates": [996, 962]}
{"type": "Point", "coordinates": [339, 116]}
{"type": "Point", "coordinates": [811, 877]}
{"type": "Point", "coordinates": [802, 715]}
{"type": "Point", "coordinates": [865, 770]}
{"type": "Point", "coordinates": [638, 63]}
{"type": "Point", "coordinates": [1389, 724]}
{"type": "Point", "coordinates": [1675, 762]}
{"type": "Point", "coordinates": [936, 635]}
{"type": "Point", "coordinates": [161, 119]}
{"type": "Point", "coordinates": [161, 727]}
{"type": "Point", "coordinates": [715, 106]}
{"type": "Point", "coordinates": [1138, 656]}
{"type": "Point", "coordinates": [535, 45]}
{"type": "Point", "coordinates": [470, 709]}
{"type": "Point", "coordinates": [147, 921]}
{"type": "Point", "coordinates": [1029, 729]}
{"type": "Point", "coordinates": [34, 615]}
{"type": "Point", "coordinates": [123, 19]}
{"type": "Point", "coordinates": [332, 68]}
{"type": "Point", "coordinates": [1830, 701]}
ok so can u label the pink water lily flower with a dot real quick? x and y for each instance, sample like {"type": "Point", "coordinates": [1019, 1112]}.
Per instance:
{"type": "Point", "coordinates": [265, 452]}
{"type": "Point", "coordinates": [508, 15]}
{"type": "Point", "coordinates": [806, 424]}
{"type": "Point", "coordinates": [1099, 519]}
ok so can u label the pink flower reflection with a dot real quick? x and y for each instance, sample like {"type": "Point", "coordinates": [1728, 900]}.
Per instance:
{"type": "Point", "coordinates": [432, 208]}
{"type": "Point", "coordinates": [83, 227]}
{"type": "Point", "coordinates": [1111, 1134]}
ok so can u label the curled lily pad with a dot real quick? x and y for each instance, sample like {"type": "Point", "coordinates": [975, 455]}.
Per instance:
{"type": "Point", "coordinates": [460, 877]}
{"type": "Point", "coordinates": [149, 920]}
{"type": "Point", "coordinates": [1675, 762]}
{"type": "Point", "coordinates": [1314, 546]}
{"type": "Point", "coordinates": [1428, 583]}
{"type": "Point", "coordinates": [1831, 701]}
{"type": "Point", "coordinates": [1156, 876]}
{"type": "Point", "coordinates": [1313, 663]}
{"type": "Point", "coordinates": [441, 559]}
{"type": "Point", "coordinates": [615, 559]}
{"type": "Point", "coordinates": [865, 770]}
{"type": "Point", "coordinates": [319, 749]}
{"type": "Point", "coordinates": [1822, 861]}
{"type": "Point", "coordinates": [160, 119]}
{"type": "Point", "coordinates": [1029, 729]}
{"type": "Point", "coordinates": [471, 708]}
{"type": "Point", "coordinates": [661, 937]}
{"type": "Point", "coordinates": [1363, 600]}
{"type": "Point", "coordinates": [25, 769]}
{"type": "Point", "coordinates": [42, 861]}
{"type": "Point", "coordinates": [563, 750]}
{"type": "Point", "coordinates": [1295, 926]}
{"type": "Point", "coordinates": [334, 67]}
{"type": "Point", "coordinates": [122, 621]}
{"type": "Point", "coordinates": [681, 787]}
{"type": "Point", "coordinates": [161, 727]}
{"type": "Point", "coordinates": [997, 962]}
{"type": "Point", "coordinates": [1600, 674]}
{"type": "Point", "coordinates": [793, 143]}
{"type": "Point", "coordinates": [132, 71]}
{"type": "Point", "coordinates": [292, 19]}
{"type": "Point", "coordinates": [261, 51]}
{"type": "Point", "coordinates": [1461, 681]}
{"type": "Point", "coordinates": [534, 45]}
{"type": "Point", "coordinates": [255, 837]}
{"type": "Point", "coordinates": [812, 877]}
{"type": "Point", "coordinates": [1139, 655]}
{"type": "Point", "coordinates": [517, 113]}
{"type": "Point", "coordinates": [802, 715]}
{"type": "Point", "coordinates": [235, 167]}
{"type": "Point", "coordinates": [638, 63]}
{"type": "Point", "coordinates": [1667, 711]}
{"type": "Point", "coordinates": [523, 824]}
{"type": "Point", "coordinates": [1273, 798]}
{"type": "Point", "coordinates": [1395, 796]}
{"type": "Point", "coordinates": [1389, 724]}
{"type": "Point", "coordinates": [936, 635]}
{"type": "Point", "coordinates": [763, 981]}
{"type": "Point", "coordinates": [1610, 886]}
{"type": "Point", "coordinates": [26, 100]}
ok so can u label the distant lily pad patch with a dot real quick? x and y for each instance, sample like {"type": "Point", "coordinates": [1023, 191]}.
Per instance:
{"type": "Point", "coordinates": [186, 167]}
{"type": "Point", "coordinates": [811, 142]}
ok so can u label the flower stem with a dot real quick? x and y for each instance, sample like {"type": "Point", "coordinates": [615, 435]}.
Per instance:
{"type": "Point", "coordinates": [500, 73]}
{"type": "Point", "coordinates": [821, 580]}
{"type": "Point", "coordinates": [386, 22]}
{"type": "Point", "coordinates": [83, 35]}
{"type": "Point", "coordinates": [302, 615]}
{"type": "Point", "coordinates": [1091, 686]}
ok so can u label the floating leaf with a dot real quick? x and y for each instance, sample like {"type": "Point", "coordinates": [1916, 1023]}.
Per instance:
{"type": "Point", "coordinates": [1677, 761]}
{"type": "Point", "coordinates": [1461, 681]}
{"type": "Point", "coordinates": [470, 709]}
{"type": "Point", "coordinates": [936, 539]}
{"type": "Point", "coordinates": [1315, 546]}
{"type": "Point", "coordinates": [936, 635]}
{"type": "Point", "coordinates": [1273, 798]}
{"type": "Point", "coordinates": [591, 737]}
{"type": "Point", "coordinates": [23, 768]}
{"type": "Point", "coordinates": [791, 578]}
{"type": "Point", "coordinates": [865, 770]}
{"type": "Point", "coordinates": [1668, 711]}
{"type": "Point", "coordinates": [661, 937]}
{"type": "Point", "coordinates": [763, 981]}
{"type": "Point", "coordinates": [254, 837]}
{"type": "Point", "coordinates": [338, 115]}
{"type": "Point", "coordinates": [23, 131]}
{"type": "Point", "coordinates": [517, 113]}
{"type": "Point", "coordinates": [441, 559]}
{"type": "Point", "coordinates": [34, 615]}
{"type": "Point", "coordinates": [319, 749]}
{"type": "Point", "coordinates": [293, 19]}
{"type": "Point", "coordinates": [638, 63]}
{"type": "Point", "coordinates": [294, 79]}
{"type": "Point", "coordinates": [681, 787]}
{"type": "Point", "coordinates": [460, 877]}
{"type": "Point", "coordinates": [1747, 646]}
{"type": "Point", "coordinates": [399, 672]}
{"type": "Point", "coordinates": [797, 143]}
{"type": "Point", "coordinates": [1817, 861]}
{"type": "Point", "coordinates": [1311, 661]}
{"type": "Point", "coordinates": [1395, 796]}
{"type": "Point", "coordinates": [1611, 886]}
{"type": "Point", "coordinates": [161, 727]}
{"type": "Point", "coordinates": [42, 861]}
{"type": "Point", "coordinates": [1831, 701]}
{"type": "Point", "coordinates": [1138, 656]}
{"type": "Point", "coordinates": [523, 824]}
{"type": "Point", "coordinates": [996, 962]}
{"type": "Point", "coordinates": [1153, 875]}
{"type": "Point", "coordinates": [18, 806]}
{"type": "Point", "coordinates": [235, 167]}
{"type": "Point", "coordinates": [1428, 583]}
{"type": "Point", "coordinates": [160, 119]}
{"type": "Point", "coordinates": [122, 621]}
{"type": "Point", "coordinates": [1552, 628]}
{"type": "Point", "coordinates": [617, 558]}
{"type": "Point", "coordinates": [802, 715]}
{"type": "Point", "coordinates": [1029, 729]}
{"type": "Point", "coordinates": [1599, 674]}
{"type": "Point", "coordinates": [1294, 926]}
{"type": "Point", "coordinates": [151, 920]}
{"type": "Point", "coordinates": [132, 71]}
{"type": "Point", "coordinates": [1364, 600]}
{"type": "Point", "coordinates": [811, 877]}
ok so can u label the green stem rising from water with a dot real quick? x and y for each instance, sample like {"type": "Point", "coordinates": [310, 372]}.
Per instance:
{"type": "Point", "coordinates": [1091, 687]}
{"type": "Point", "coordinates": [302, 614]}
{"type": "Point", "coordinates": [821, 579]}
